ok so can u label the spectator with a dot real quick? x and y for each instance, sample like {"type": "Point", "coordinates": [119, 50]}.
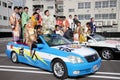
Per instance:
{"type": "Point", "coordinates": [39, 18]}
{"type": "Point", "coordinates": [65, 24]}
{"type": "Point", "coordinates": [48, 22]}
{"type": "Point", "coordinates": [75, 20]}
{"type": "Point", "coordinates": [59, 21]}
{"type": "Point", "coordinates": [20, 14]}
{"type": "Point", "coordinates": [14, 22]}
{"type": "Point", "coordinates": [79, 27]}
{"type": "Point", "coordinates": [92, 25]}
{"type": "Point", "coordinates": [25, 18]}
{"type": "Point", "coordinates": [88, 28]}
{"type": "Point", "coordinates": [70, 20]}
{"type": "Point", "coordinates": [83, 37]}
{"type": "Point", "coordinates": [58, 31]}
{"type": "Point", "coordinates": [68, 34]}
{"type": "Point", "coordinates": [20, 11]}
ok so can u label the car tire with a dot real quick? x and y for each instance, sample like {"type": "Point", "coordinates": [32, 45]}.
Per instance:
{"type": "Point", "coordinates": [59, 69]}
{"type": "Point", "coordinates": [106, 54]}
{"type": "Point", "coordinates": [14, 57]}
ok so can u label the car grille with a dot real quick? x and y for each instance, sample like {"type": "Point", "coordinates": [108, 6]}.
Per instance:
{"type": "Point", "coordinates": [92, 58]}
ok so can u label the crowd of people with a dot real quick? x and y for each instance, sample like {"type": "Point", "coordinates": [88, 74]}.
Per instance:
{"type": "Point", "coordinates": [27, 28]}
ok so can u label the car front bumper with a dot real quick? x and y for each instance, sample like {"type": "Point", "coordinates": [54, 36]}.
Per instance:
{"type": "Point", "coordinates": [83, 68]}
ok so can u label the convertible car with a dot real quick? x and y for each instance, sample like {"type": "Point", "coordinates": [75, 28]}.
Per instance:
{"type": "Point", "coordinates": [56, 54]}
{"type": "Point", "coordinates": [107, 49]}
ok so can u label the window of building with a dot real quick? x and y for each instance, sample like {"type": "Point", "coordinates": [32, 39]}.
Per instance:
{"type": "Point", "coordinates": [80, 5]}
{"type": "Point", "coordinates": [98, 16]}
{"type": "Point", "coordinates": [98, 4]}
{"type": "Point", "coordinates": [0, 3]}
{"type": "Point", "coordinates": [50, 7]}
{"type": "Point", "coordinates": [39, 7]}
{"type": "Point", "coordinates": [4, 17]}
{"type": "Point", "coordinates": [4, 4]}
{"type": "Point", "coordinates": [84, 17]}
{"type": "Point", "coordinates": [87, 4]}
{"type": "Point", "coordinates": [113, 3]}
{"type": "Point", "coordinates": [105, 4]}
{"type": "Point", "coordinates": [112, 16]}
{"type": "Point", "coordinates": [105, 16]}
{"type": "Point", "coordinates": [71, 10]}
{"type": "Point", "coordinates": [0, 17]}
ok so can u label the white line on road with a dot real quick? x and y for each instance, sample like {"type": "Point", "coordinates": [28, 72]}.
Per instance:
{"type": "Point", "coordinates": [109, 73]}
{"type": "Point", "coordinates": [3, 55]}
{"type": "Point", "coordinates": [104, 77]}
{"type": "Point", "coordinates": [17, 67]}
{"type": "Point", "coordinates": [26, 71]}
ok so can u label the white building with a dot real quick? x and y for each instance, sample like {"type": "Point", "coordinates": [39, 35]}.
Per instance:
{"type": "Point", "coordinates": [105, 12]}
{"type": "Point", "coordinates": [5, 11]}
{"type": "Point", "coordinates": [42, 5]}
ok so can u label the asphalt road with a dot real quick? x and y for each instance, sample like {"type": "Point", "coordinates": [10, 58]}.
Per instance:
{"type": "Point", "coordinates": [10, 71]}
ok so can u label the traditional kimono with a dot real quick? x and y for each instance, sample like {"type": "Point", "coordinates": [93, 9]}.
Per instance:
{"type": "Point", "coordinates": [30, 32]}
{"type": "Point", "coordinates": [48, 24]}
{"type": "Point", "coordinates": [25, 18]}
{"type": "Point", "coordinates": [14, 21]}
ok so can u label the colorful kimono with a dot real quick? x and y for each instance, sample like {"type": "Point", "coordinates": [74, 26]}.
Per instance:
{"type": "Point", "coordinates": [14, 21]}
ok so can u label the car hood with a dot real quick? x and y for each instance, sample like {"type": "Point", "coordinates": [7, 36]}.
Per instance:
{"type": "Point", "coordinates": [106, 43]}
{"type": "Point", "coordinates": [82, 51]}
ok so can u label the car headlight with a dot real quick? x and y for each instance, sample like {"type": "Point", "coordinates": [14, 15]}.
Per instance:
{"type": "Point", "coordinates": [118, 47]}
{"type": "Point", "coordinates": [75, 59]}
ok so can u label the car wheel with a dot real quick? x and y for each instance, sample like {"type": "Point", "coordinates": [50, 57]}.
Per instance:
{"type": "Point", "coordinates": [14, 57]}
{"type": "Point", "coordinates": [59, 69]}
{"type": "Point", "coordinates": [106, 54]}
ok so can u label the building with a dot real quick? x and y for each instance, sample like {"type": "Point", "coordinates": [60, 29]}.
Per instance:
{"type": "Point", "coordinates": [105, 12]}
{"type": "Point", "coordinates": [5, 11]}
{"type": "Point", "coordinates": [42, 5]}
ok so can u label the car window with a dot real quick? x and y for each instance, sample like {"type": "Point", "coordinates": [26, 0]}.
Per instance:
{"type": "Point", "coordinates": [98, 37]}
{"type": "Point", "coordinates": [55, 40]}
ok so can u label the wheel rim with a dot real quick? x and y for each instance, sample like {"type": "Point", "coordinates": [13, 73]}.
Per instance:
{"type": "Point", "coordinates": [58, 69]}
{"type": "Point", "coordinates": [14, 57]}
{"type": "Point", "coordinates": [106, 54]}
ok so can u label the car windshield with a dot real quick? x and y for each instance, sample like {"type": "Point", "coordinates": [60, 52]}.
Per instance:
{"type": "Point", "coordinates": [55, 40]}
{"type": "Point", "coordinates": [98, 37]}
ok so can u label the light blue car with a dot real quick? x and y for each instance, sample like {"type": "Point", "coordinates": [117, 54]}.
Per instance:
{"type": "Point", "coordinates": [56, 54]}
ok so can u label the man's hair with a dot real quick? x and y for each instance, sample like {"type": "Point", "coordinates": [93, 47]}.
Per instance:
{"type": "Point", "coordinates": [70, 15]}
{"type": "Point", "coordinates": [37, 9]}
{"type": "Point", "coordinates": [88, 23]}
{"type": "Point", "coordinates": [15, 7]}
{"type": "Point", "coordinates": [35, 13]}
{"type": "Point", "coordinates": [26, 8]}
{"type": "Point", "coordinates": [20, 7]}
{"type": "Point", "coordinates": [45, 11]}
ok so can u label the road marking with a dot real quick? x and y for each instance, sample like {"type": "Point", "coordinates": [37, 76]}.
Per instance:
{"type": "Point", "coordinates": [25, 71]}
{"type": "Point", "coordinates": [104, 77]}
{"type": "Point", "coordinates": [3, 55]}
{"type": "Point", "coordinates": [17, 67]}
{"type": "Point", "coordinates": [110, 60]}
{"type": "Point", "coordinates": [109, 73]}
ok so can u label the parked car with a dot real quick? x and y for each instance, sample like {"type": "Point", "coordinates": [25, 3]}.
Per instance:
{"type": "Point", "coordinates": [56, 54]}
{"type": "Point", "coordinates": [107, 49]}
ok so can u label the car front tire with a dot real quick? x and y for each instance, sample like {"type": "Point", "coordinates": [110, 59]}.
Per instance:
{"type": "Point", "coordinates": [14, 57]}
{"type": "Point", "coordinates": [59, 69]}
{"type": "Point", "coordinates": [106, 54]}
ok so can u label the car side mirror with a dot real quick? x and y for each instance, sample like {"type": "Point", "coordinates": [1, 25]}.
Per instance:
{"type": "Point", "coordinates": [90, 41]}
{"type": "Point", "coordinates": [40, 46]}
